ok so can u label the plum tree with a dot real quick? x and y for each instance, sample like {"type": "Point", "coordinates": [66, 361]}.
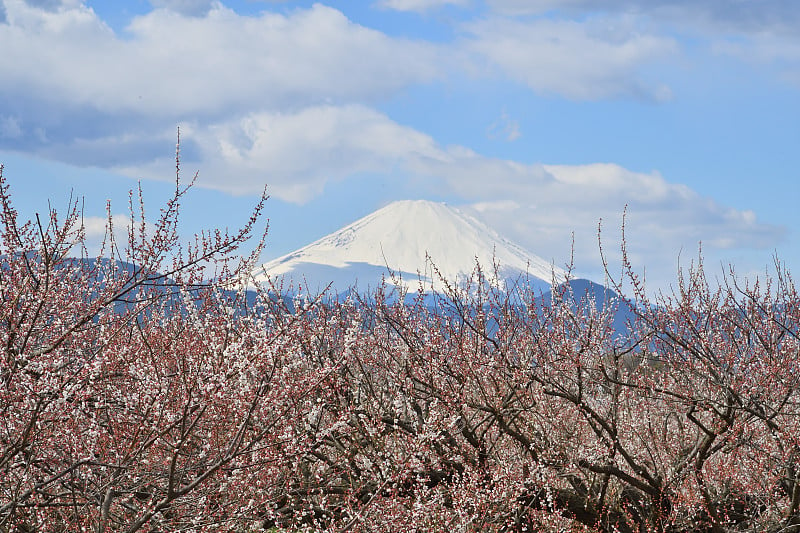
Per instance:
{"type": "Point", "coordinates": [144, 390]}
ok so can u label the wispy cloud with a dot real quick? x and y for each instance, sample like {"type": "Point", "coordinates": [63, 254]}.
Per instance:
{"type": "Point", "coordinates": [580, 60]}
{"type": "Point", "coordinates": [760, 32]}
{"type": "Point", "coordinates": [663, 219]}
{"type": "Point", "coordinates": [9, 128]}
{"type": "Point", "coordinates": [540, 206]}
{"type": "Point", "coordinates": [504, 128]}
{"type": "Point", "coordinates": [419, 5]}
{"type": "Point", "coordinates": [192, 8]}
{"type": "Point", "coordinates": [740, 16]}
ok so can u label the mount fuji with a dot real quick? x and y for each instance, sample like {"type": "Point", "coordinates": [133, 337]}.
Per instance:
{"type": "Point", "coordinates": [410, 244]}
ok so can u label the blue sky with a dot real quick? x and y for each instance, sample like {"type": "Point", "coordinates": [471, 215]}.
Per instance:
{"type": "Point", "coordinates": [541, 116]}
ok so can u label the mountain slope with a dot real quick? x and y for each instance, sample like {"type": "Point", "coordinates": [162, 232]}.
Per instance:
{"type": "Point", "coordinates": [417, 241]}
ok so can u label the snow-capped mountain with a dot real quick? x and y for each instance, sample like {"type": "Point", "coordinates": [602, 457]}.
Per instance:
{"type": "Point", "coordinates": [408, 243]}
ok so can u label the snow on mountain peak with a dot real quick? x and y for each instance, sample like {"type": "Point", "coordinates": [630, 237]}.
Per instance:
{"type": "Point", "coordinates": [408, 238]}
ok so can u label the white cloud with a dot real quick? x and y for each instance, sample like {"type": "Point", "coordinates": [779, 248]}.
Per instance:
{"type": "Point", "coordinates": [297, 153]}
{"type": "Point", "coordinates": [501, 205]}
{"type": "Point", "coordinates": [10, 128]}
{"type": "Point", "coordinates": [580, 60]}
{"type": "Point", "coordinates": [82, 94]}
{"type": "Point", "coordinates": [744, 15]}
{"type": "Point", "coordinates": [76, 79]}
{"type": "Point", "coordinates": [95, 228]}
{"type": "Point", "coordinates": [49, 5]}
{"type": "Point", "coordinates": [96, 238]}
{"type": "Point", "coordinates": [419, 5]}
{"type": "Point", "coordinates": [540, 206]}
{"type": "Point", "coordinates": [763, 31]}
{"type": "Point", "coordinates": [664, 219]}
{"type": "Point", "coordinates": [192, 8]}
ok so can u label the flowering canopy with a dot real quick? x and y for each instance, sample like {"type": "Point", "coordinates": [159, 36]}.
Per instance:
{"type": "Point", "coordinates": [135, 396]}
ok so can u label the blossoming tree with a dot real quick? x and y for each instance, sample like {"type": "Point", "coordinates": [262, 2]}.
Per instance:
{"type": "Point", "coordinates": [146, 390]}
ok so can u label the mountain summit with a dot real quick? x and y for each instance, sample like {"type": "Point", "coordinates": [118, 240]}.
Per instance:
{"type": "Point", "coordinates": [410, 242]}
